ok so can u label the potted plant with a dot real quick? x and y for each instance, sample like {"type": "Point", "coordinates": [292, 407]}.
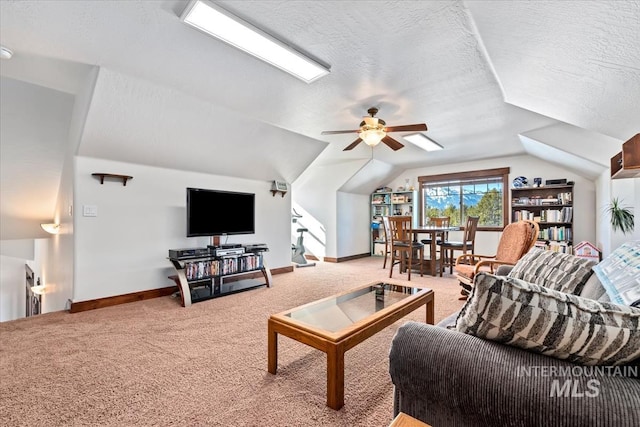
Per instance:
{"type": "Point", "coordinates": [621, 216]}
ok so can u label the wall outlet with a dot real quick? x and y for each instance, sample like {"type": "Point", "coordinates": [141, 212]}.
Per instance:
{"type": "Point", "coordinates": [89, 210]}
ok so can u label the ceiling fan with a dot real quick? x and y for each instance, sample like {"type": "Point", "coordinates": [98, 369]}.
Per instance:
{"type": "Point", "coordinates": [374, 130]}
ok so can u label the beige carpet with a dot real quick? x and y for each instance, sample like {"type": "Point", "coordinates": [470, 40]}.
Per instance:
{"type": "Point", "coordinates": [156, 363]}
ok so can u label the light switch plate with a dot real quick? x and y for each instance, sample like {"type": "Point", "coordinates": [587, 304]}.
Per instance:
{"type": "Point", "coordinates": [89, 210]}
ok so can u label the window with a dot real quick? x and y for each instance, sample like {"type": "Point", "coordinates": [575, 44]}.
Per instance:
{"type": "Point", "coordinates": [480, 193]}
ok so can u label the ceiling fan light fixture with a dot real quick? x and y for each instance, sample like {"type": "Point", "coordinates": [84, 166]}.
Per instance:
{"type": "Point", "coordinates": [217, 22]}
{"type": "Point", "coordinates": [370, 121]}
{"type": "Point", "coordinates": [422, 141]}
{"type": "Point", "coordinates": [372, 136]}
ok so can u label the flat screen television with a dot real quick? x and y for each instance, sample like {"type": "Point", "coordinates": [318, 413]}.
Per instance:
{"type": "Point", "coordinates": [217, 213]}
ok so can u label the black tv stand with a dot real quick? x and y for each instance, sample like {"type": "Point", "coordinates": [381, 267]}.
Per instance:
{"type": "Point", "coordinates": [201, 278]}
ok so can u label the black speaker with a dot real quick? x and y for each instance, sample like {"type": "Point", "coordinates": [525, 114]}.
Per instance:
{"type": "Point", "coordinates": [555, 181]}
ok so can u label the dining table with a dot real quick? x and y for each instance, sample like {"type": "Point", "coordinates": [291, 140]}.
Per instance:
{"type": "Point", "coordinates": [433, 231]}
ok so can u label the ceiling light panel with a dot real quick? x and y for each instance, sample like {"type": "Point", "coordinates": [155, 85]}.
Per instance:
{"type": "Point", "coordinates": [217, 22]}
{"type": "Point", "coordinates": [422, 141]}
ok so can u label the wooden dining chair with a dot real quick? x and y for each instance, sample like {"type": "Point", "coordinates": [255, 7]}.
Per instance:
{"type": "Point", "coordinates": [403, 246]}
{"type": "Point", "coordinates": [386, 227]}
{"type": "Point", "coordinates": [447, 247]}
{"type": "Point", "coordinates": [437, 221]}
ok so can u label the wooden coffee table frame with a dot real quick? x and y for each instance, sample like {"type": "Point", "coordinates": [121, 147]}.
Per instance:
{"type": "Point", "coordinates": [335, 344]}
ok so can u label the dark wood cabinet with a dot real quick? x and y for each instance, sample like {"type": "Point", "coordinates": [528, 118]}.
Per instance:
{"type": "Point", "coordinates": [626, 164]}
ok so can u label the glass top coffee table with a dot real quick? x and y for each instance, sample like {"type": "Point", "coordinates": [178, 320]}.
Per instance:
{"type": "Point", "coordinates": [340, 322]}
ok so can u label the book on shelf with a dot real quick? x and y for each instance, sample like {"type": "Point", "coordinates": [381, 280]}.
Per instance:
{"type": "Point", "coordinates": [549, 201]}
{"type": "Point", "coordinates": [380, 199]}
{"type": "Point", "coordinates": [557, 215]}
{"type": "Point", "coordinates": [563, 247]}
{"type": "Point", "coordinates": [523, 214]}
{"type": "Point", "coordinates": [550, 245]}
{"type": "Point", "coordinates": [564, 198]}
{"type": "Point", "coordinates": [556, 233]}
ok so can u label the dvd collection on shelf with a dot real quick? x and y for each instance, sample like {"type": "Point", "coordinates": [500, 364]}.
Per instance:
{"type": "Point", "coordinates": [227, 265]}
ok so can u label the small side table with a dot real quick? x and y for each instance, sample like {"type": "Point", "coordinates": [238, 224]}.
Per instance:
{"type": "Point", "coordinates": [404, 420]}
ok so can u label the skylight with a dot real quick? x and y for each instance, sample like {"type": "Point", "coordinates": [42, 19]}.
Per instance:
{"type": "Point", "coordinates": [423, 142]}
{"type": "Point", "coordinates": [215, 21]}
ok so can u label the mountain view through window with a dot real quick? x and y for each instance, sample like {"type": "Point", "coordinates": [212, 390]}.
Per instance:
{"type": "Point", "coordinates": [464, 196]}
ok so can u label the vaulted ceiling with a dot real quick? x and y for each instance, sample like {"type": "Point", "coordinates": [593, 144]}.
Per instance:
{"type": "Point", "coordinates": [490, 78]}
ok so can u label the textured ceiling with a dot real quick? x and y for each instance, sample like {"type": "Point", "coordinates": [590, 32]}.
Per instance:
{"type": "Point", "coordinates": [575, 61]}
{"type": "Point", "coordinates": [479, 73]}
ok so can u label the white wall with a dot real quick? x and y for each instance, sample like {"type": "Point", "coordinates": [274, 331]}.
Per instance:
{"type": "Point", "coordinates": [21, 248]}
{"type": "Point", "coordinates": [627, 191]}
{"type": "Point", "coordinates": [603, 227]}
{"type": "Point", "coordinates": [316, 192]}
{"type": "Point", "coordinates": [353, 228]}
{"type": "Point", "coordinates": [57, 252]}
{"type": "Point", "coordinates": [35, 125]}
{"type": "Point", "coordinates": [12, 288]}
{"type": "Point", "coordinates": [530, 167]}
{"type": "Point", "coordinates": [54, 254]}
{"type": "Point", "coordinates": [58, 265]}
{"type": "Point", "coordinates": [124, 249]}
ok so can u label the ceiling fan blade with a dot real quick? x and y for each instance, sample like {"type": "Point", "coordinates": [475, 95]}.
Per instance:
{"type": "Point", "coordinates": [407, 128]}
{"type": "Point", "coordinates": [333, 132]}
{"type": "Point", "coordinates": [392, 143]}
{"type": "Point", "coordinates": [353, 144]}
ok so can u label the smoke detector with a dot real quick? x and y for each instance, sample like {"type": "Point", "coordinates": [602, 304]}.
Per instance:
{"type": "Point", "coordinates": [5, 52]}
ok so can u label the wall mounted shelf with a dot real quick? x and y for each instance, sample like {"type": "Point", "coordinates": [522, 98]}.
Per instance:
{"type": "Point", "coordinates": [102, 176]}
{"type": "Point", "coordinates": [626, 164]}
{"type": "Point", "coordinates": [279, 187]}
{"type": "Point", "coordinates": [274, 192]}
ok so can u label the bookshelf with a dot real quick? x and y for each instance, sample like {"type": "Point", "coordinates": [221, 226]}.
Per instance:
{"type": "Point", "coordinates": [552, 207]}
{"type": "Point", "coordinates": [389, 204]}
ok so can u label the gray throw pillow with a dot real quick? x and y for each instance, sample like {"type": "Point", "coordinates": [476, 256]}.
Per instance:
{"type": "Point", "coordinates": [553, 270]}
{"type": "Point", "coordinates": [556, 324]}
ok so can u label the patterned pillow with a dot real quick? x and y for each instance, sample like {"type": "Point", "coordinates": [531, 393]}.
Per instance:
{"type": "Point", "coordinates": [553, 270]}
{"type": "Point", "coordinates": [549, 322]}
{"type": "Point", "coordinates": [619, 274]}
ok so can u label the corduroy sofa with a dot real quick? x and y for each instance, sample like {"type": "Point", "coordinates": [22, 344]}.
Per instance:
{"type": "Point", "coordinates": [448, 378]}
